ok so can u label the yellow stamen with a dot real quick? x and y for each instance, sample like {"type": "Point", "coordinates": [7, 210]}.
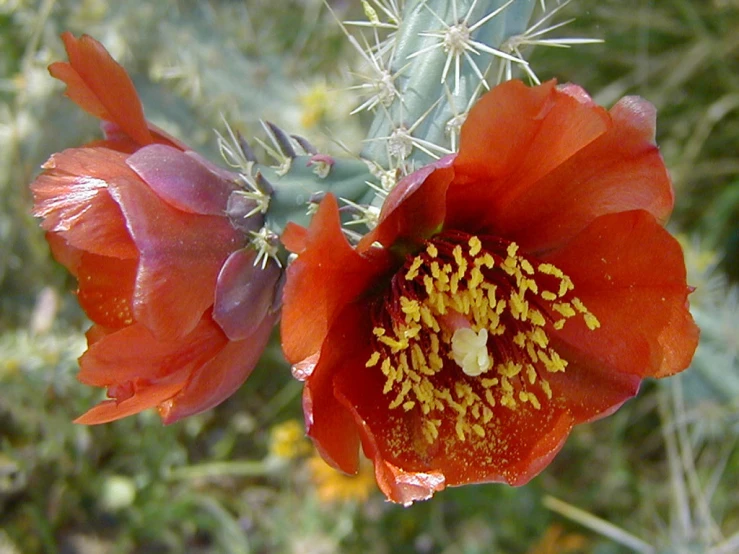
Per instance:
{"type": "Point", "coordinates": [501, 300]}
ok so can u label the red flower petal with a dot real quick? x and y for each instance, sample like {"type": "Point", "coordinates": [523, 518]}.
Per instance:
{"type": "Point", "coordinates": [414, 209]}
{"type": "Point", "coordinates": [630, 274]}
{"type": "Point", "coordinates": [498, 141]}
{"type": "Point", "coordinates": [504, 154]}
{"type": "Point", "coordinates": [294, 237]}
{"type": "Point", "coordinates": [518, 443]}
{"type": "Point", "coordinates": [114, 134]}
{"type": "Point", "coordinates": [181, 255]}
{"type": "Point", "coordinates": [106, 289]}
{"type": "Point", "coordinates": [589, 388]}
{"type": "Point", "coordinates": [100, 86]}
{"type": "Point", "coordinates": [327, 275]}
{"type": "Point", "coordinates": [620, 171]}
{"type": "Point", "coordinates": [181, 181]}
{"type": "Point", "coordinates": [219, 377]}
{"type": "Point", "coordinates": [145, 397]}
{"type": "Point", "coordinates": [330, 424]}
{"type": "Point", "coordinates": [499, 130]}
{"type": "Point", "coordinates": [72, 196]}
{"type": "Point", "coordinates": [135, 353]}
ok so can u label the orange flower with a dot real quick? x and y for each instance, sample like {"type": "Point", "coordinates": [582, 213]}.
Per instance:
{"type": "Point", "coordinates": [157, 238]}
{"type": "Point", "coordinates": [508, 293]}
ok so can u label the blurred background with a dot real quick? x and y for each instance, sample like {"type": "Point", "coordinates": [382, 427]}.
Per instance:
{"type": "Point", "coordinates": [660, 476]}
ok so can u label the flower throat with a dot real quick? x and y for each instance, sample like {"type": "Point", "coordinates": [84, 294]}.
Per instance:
{"type": "Point", "coordinates": [462, 332]}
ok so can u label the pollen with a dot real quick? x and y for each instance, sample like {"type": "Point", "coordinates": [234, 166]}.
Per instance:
{"type": "Point", "coordinates": [463, 334]}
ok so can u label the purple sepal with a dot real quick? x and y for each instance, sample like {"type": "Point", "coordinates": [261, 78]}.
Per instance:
{"type": "Point", "coordinates": [181, 180]}
{"type": "Point", "coordinates": [245, 293]}
{"type": "Point", "coordinates": [243, 214]}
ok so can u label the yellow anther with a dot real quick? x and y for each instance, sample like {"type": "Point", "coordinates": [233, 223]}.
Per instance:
{"type": "Point", "coordinates": [565, 285]}
{"type": "Point", "coordinates": [520, 339]}
{"type": "Point", "coordinates": [536, 318]}
{"type": "Point", "coordinates": [475, 246]}
{"type": "Point", "coordinates": [549, 269]}
{"type": "Point", "coordinates": [591, 321]}
{"type": "Point", "coordinates": [421, 341]}
{"type": "Point", "coordinates": [412, 272]}
{"type": "Point", "coordinates": [564, 308]}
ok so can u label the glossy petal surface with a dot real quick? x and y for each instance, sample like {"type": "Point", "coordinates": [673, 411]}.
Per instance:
{"type": "Point", "coordinates": [631, 272]}
{"type": "Point", "coordinates": [180, 257]}
{"type": "Point", "coordinates": [73, 198]}
{"type": "Point", "coordinates": [324, 277]}
{"type": "Point", "coordinates": [220, 376]}
{"type": "Point", "coordinates": [244, 294]}
{"type": "Point", "coordinates": [181, 180]}
{"type": "Point", "coordinates": [143, 224]}
{"type": "Point", "coordinates": [542, 240]}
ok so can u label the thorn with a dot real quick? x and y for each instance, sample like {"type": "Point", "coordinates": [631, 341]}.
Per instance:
{"type": "Point", "coordinates": [307, 147]}
{"type": "Point", "coordinates": [264, 185]}
{"type": "Point", "coordinates": [245, 148]}
{"type": "Point", "coordinates": [281, 139]}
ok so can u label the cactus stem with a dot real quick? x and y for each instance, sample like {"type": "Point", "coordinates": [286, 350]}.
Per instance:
{"type": "Point", "coordinates": [380, 83]}
{"type": "Point", "coordinates": [401, 142]}
{"type": "Point", "coordinates": [456, 40]}
{"type": "Point", "coordinates": [532, 37]}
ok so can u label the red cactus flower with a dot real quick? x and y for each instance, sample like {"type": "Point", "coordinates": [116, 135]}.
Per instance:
{"type": "Point", "coordinates": [157, 239]}
{"type": "Point", "coordinates": [508, 293]}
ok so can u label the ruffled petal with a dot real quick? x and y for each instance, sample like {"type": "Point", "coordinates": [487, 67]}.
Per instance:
{"type": "Point", "coordinates": [414, 209]}
{"type": "Point", "coordinates": [500, 128]}
{"type": "Point", "coordinates": [180, 257]}
{"type": "Point", "coordinates": [294, 237]}
{"type": "Point", "coordinates": [589, 388]}
{"type": "Point", "coordinates": [486, 186]}
{"type": "Point", "coordinates": [620, 171]}
{"type": "Point", "coordinates": [326, 276]}
{"type": "Point", "coordinates": [100, 86]}
{"type": "Point", "coordinates": [329, 423]}
{"type": "Point", "coordinates": [517, 444]}
{"type": "Point", "coordinates": [220, 377]}
{"type": "Point", "coordinates": [135, 353]}
{"type": "Point", "coordinates": [72, 196]}
{"type": "Point", "coordinates": [145, 396]}
{"type": "Point", "coordinates": [630, 273]}
{"type": "Point", "coordinates": [245, 293]}
{"type": "Point", "coordinates": [181, 181]}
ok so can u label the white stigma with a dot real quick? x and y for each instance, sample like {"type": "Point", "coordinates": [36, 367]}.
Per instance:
{"type": "Point", "coordinates": [470, 351]}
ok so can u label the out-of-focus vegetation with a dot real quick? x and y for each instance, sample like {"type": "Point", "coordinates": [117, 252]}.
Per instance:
{"type": "Point", "coordinates": [659, 476]}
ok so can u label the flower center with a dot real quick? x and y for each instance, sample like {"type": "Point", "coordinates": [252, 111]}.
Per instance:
{"type": "Point", "coordinates": [463, 331]}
